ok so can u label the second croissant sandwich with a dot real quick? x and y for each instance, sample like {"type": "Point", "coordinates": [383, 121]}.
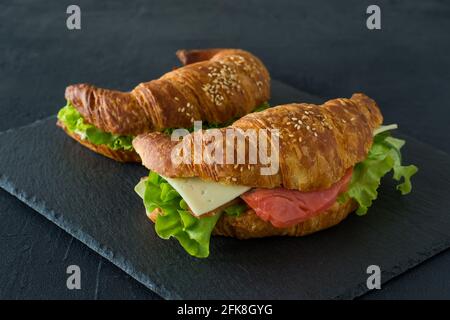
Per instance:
{"type": "Point", "coordinates": [330, 160]}
{"type": "Point", "coordinates": [214, 85]}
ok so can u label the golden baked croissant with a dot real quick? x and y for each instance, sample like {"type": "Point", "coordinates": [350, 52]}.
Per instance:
{"type": "Point", "coordinates": [215, 86]}
{"type": "Point", "coordinates": [318, 144]}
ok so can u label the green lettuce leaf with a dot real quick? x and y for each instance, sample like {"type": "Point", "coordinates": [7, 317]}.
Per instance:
{"type": "Point", "coordinates": [383, 157]}
{"type": "Point", "coordinates": [176, 221]}
{"type": "Point", "coordinates": [74, 122]}
{"type": "Point", "coordinates": [235, 210]}
{"type": "Point", "coordinates": [262, 107]}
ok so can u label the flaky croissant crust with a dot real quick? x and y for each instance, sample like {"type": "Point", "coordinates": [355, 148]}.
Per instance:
{"type": "Point", "coordinates": [317, 144]}
{"type": "Point", "coordinates": [215, 85]}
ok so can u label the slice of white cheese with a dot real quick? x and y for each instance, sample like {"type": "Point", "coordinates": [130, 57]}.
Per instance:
{"type": "Point", "coordinates": [204, 196]}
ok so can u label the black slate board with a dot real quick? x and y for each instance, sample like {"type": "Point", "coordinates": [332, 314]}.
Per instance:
{"type": "Point", "coordinates": [92, 198]}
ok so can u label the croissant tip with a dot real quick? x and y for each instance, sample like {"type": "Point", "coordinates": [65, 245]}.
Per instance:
{"type": "Point", "coordinates": [69, 92]}
{"type": "Point", "coordinates": [182, 56]}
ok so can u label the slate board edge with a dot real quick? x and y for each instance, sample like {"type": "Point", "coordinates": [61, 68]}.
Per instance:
{"type": "Point", "coordinates": [93, 244]}
{"type": "Point", "coordinates": [29, 125]}
{"type": "Point", "coordinates": [388, 275]}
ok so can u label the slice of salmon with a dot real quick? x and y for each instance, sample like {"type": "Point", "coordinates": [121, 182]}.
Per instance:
{"type": "Point", "coordinates": [284, 207]}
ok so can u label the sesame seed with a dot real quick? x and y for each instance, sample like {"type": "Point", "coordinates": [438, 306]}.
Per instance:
{"type": "Point", "coordinates": [176, 98]}
{"type": "Point", "coordinates": [223, 79]}
{"type": "Point", "coordinates": [234, 179]}
{"type": "Point", "coordinates": [315, 134]}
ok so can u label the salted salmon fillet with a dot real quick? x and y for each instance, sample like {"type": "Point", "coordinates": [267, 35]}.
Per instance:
{"type": "Point", "coordinates": [284, 207]}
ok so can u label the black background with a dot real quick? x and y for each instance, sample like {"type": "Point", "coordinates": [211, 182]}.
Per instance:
{"type": "Point", "coordinates": [322, 47]}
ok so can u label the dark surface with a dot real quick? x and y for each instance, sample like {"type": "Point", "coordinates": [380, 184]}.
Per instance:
{"type": "Point", "coordinates": [99, 208]}
{"type": "Point", "coordinates": [36, 253]}
{"type": "Point", "coordinates": [319, 46]}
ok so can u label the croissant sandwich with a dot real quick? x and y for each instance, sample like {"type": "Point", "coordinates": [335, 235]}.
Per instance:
{"type": "Point", "coordinates": [214, 85]}
{"type": "Point", "coordinates": [313, 166]}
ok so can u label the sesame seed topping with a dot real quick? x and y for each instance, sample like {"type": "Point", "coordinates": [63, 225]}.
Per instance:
{"type": "Point", "coordinates": [223, 79]}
